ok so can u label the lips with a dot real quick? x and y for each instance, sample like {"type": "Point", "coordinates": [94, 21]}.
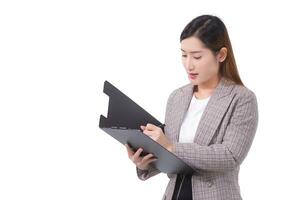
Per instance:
{"type": "Point", "coordinates": [193, 75]}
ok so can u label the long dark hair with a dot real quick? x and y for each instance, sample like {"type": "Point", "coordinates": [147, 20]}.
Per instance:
{"type": "Point", "coordinates": [213, 33]}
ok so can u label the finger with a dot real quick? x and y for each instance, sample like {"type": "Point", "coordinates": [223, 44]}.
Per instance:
{"type": "Point", "coordinates": [151, 136]}
{"type": "Point", "coordinates": [150, 161]}
{"type": "Point", "coordinates": [150, 133]}
{"type": "Point", "coordinates": [137, 155]}
{"type": "Point", "coordinates": [142, 127]}
{"type": "Point", "coordinates": [145, 161]}
{"type": "Point", "coordinates": [129, 151]}
{"type": "Point", "coordinates": [148, 156]}
{"type": "Point", "coordinates": [151, 126]}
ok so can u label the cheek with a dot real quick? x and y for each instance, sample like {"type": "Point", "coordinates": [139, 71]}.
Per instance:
{"type": "Point", "coordinates": [203, 65]}
{"type": "Point", "coordinates": [207, 67]}
{"type": "Point", "coordinates": [183, 62]}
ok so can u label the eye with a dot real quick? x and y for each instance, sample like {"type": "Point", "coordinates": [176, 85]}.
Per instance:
{"type": "Point", "coordinates": [198, 57]}
{"type": "Point", "coordinates": [184, 56]}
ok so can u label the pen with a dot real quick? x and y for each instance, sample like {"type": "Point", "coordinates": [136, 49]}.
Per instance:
{"type": "Point", "coordinates": [162, 127]}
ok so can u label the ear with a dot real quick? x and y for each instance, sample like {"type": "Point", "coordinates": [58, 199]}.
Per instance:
{"type": "Point", "coordinates": [222, 54]}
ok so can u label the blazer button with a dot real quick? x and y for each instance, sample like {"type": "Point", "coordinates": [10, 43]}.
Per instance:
{"type": "Point", "coordinates": [209, 183]}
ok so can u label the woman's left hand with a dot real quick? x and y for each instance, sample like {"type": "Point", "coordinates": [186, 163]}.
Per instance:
{"type": "Point", "coordinates": [157, 135]}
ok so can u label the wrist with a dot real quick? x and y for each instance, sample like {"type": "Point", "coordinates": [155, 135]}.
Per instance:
{"type": "Point", "coordinates": [170, 148]}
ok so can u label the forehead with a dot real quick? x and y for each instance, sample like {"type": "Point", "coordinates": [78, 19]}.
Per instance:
{"type": "Point", "coordinates": [192, 44]}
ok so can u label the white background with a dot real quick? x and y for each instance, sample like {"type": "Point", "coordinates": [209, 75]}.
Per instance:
{"type": "Point", "coordinates": [55, 56]}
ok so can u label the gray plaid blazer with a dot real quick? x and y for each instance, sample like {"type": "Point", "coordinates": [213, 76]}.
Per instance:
{"type": "Point", "coordinates": [222, 141]}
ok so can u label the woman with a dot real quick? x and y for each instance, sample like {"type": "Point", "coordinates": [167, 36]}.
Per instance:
{"type": "Point", "coordinates": [210, 122]}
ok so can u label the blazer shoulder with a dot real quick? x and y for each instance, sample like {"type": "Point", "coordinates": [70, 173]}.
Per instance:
{"type": "Point", "coordinates": [180, 89]}
{"type": "Point", "coordinates": [176, 91]}
{"type": "Point", "coordinates": [242, 92]}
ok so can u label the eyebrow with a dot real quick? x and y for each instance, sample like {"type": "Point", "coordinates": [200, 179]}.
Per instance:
{"type": "Point", "coordinates": [193, 51]}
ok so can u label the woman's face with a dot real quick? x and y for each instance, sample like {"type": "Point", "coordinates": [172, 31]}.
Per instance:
{"type": "Point", "coordinates": [199, 62]}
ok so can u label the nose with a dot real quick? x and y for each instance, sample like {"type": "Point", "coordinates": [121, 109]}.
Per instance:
{"type": "Point", "coordinates": [189, 64]}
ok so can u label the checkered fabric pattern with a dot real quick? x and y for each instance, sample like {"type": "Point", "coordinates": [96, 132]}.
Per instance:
{"type": "Point", "coordinates": [223, 138]}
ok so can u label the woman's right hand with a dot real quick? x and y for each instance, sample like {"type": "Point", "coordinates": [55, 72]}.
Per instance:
{"type": "Point", "coordinates": [142, 163]}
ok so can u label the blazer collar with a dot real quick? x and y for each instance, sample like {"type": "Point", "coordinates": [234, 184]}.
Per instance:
{"type": "Point", "coordinates": [223, 88]}
{"type": "Point", "coordinates": [213, 113]}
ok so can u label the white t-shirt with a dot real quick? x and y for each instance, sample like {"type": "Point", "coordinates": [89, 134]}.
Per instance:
{"type": "Point", "coordinates": [191, 120]}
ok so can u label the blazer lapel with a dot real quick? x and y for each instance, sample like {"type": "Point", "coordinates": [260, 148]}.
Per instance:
{"type": "Point", "coordinates": [212, 114]}
{"type": "Point", "coordinates": [184, 99]}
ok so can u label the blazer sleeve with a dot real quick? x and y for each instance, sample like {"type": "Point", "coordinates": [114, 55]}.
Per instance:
{"type": "Point", "coordinates": [236, 143]}
{"type": "Point", "coordinates": [145, 174]}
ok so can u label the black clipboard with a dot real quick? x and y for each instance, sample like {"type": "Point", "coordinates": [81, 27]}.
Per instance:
{"type": "Point", "coordinates": [123, 123]}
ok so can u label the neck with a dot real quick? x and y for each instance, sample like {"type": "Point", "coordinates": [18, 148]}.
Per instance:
{"type": "Point", "coordinates": [205, 89]}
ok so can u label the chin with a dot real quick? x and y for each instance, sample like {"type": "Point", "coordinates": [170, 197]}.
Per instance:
{"type": "Point", "coordinates": [195, 82]}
